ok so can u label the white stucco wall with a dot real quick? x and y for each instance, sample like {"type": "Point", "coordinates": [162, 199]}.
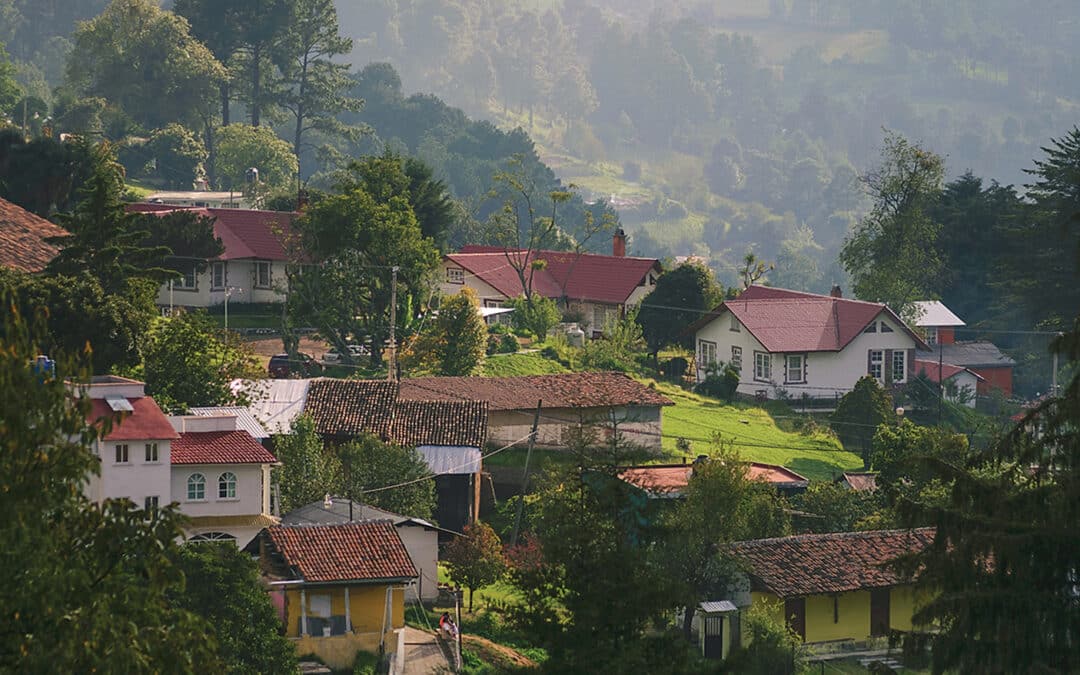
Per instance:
{"type": "Point", "coordinates": [827, 373]}
{"type": "Point", "coordinates": [964, 380]}
{"type": "Point", "coordinates": [137, 479]}
{"type": "Point", "coordinates": [240, 274]}
{"type": "Point", "coordinates": [423, 547]}
{"type": "Point", "coordinates": [484, 291]}
{"type": "Point", "coordinates": [251, 497]}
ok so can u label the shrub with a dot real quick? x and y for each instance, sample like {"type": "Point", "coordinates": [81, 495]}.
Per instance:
{"type": "Point", "coordinates": [772, 646]}
{"type": "Point", "coordinates": [508, 344]}
{"type": "Point", "coordinates": [675, 368]}
{"type": "Point", "coordinates": [538, 315]}
{"type": "Point", "coordinates": [720, 382]}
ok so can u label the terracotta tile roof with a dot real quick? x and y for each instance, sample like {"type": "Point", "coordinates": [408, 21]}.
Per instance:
{"type": "Point", "coordinates": [448, 423]}
{"type": "Point", "coordinates": [564, 390]}
{"type": "Point", "coordinates": [811, 564]}
{"type": "Point", "coordinates": [671, 479]}
{"type": "Point", "coordinates": [351, 407]}
{"type": "Point", "coordinates": [793, 321]}
{"type": "Point", "coordinates": [861, 481]}
{"type": "Point", "coordinates": [363, 551]}
{"type": "Point", "coordinates": [145, 422]}
{"type": "Point", "coordinates": [934, 373]}
{"type": "Point", "coordinates": [246, 233]}
{"type": "Point", "coordinates": [219, 447]}
{"type": "Point", "coordinates": [22, 238]}
{"type": "Point", "coordinates": [588, 277]}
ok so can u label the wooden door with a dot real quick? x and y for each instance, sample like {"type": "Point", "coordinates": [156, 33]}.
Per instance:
{"type": "Point", "coordinates": [879, 612]}
{"type": "Point", "coordinates": [795, 611]}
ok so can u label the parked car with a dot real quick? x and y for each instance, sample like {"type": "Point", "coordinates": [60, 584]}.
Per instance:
{"type": "Point", "coordinates": [281, 366]}
{"type": "Point", "coordinates": [355, 351]}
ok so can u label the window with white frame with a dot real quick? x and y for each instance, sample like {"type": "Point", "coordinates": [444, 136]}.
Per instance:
{"type": "Point", "coordinates": [150, 502]}
{"type": "Point", "coordinates": [227, 485]}
{"type": "Point", "coordinates": [706, 354]}
{"type": "Point", "coordinates": [736, 357]}
{"type": "Point", "coordinates": [122, 456]}
{"type": "Point", "coordinates": [196, 487]}
{"type": "Point", "coordinates": [189, 278]}
{"type": "Point", "coordinates": [795, 368]}
{"type": "Point", "coordinates": [931, 336]}
{"type": "Point", "coordinates": [876, 365]}
{"type": "Point", "coordinates": [455, 275]}
{"type": "Point", "coordinates": [262, 274]}
{"type": "Point", "coordinates": [899, 366]}
{"type": "Point", "coordinates": [218, 278]}
{"type": "Point", "coordinates": [151, 452]}
{"type": "Point", "coordinates": [735, 324]}
{"type": "Point", "coordinates": [763, 366]}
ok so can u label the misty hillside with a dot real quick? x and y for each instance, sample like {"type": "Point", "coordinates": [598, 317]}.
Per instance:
{"type": "Point", "coordinates": [718, 127]}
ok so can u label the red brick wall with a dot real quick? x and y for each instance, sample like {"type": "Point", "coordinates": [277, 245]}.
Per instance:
{"type": "Point", "coordinates": [996, 378]}
{"type": "Point", "coordinates": [946, 335]}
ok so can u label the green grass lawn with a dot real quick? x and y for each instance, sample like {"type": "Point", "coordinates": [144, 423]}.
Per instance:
{"type": "Point", "coordinates": [508, 365]}
{"type": "Point", "coordinates": [816, 455]}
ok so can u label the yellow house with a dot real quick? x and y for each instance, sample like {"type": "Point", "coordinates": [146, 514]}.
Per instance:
{"type": "Point", "coordinates": [339, 589]}
{"type": "Point", "coordinates": [835, 587]}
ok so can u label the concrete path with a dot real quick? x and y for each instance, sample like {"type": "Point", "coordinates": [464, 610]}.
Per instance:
{"type": "Point", "coordinates": [423, 655]}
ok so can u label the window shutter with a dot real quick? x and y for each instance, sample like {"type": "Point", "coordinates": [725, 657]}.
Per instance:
{"type": "Point", "coordinates": [869, 353]}
{"type": "Point", "coordinates": [886, 367]}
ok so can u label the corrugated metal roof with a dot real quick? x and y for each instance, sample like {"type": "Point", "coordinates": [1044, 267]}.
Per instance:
{"type": "Point", "coordinates": [274, 403]}
{"type": "Point", "coordinates": [935, 313]}
{"type": "Point", "coordinates": [968, 354]}
{"type": "Point", "coordinates": [444, 459]}
{"type": "Point", "coordinates": [245, 420]}
{"type": "Point", "coordinates": [717, 606]}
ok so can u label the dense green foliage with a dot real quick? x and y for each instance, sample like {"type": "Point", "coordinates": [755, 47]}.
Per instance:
{"type": "Point", "coordinates": [308, 471]}
{"type": "Point", "coordinates": [223, 586]}
{"type": "Point", "coordinates": [680, 298]}
{"type": "Point", "coordinates": [537, 315]}
{"type": "Point", "coordinates": [475, 559]}
{"type": "Point", "coordinates": [859, 413]}
{"type": "Point", "coordinates": [387, 476]}
{"type": "Point", "coordinates": [460, 335]}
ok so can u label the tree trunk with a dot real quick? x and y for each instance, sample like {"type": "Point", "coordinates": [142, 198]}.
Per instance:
{"type": "Point", "coordinates": [211, 154]}
{"type": "Point", "coordinates": [470, 599]}
{"type": "Point", "coordinates": [256, 84]}
{"type": "Point", "coordinates": [225, 95]}
{"type": "Point", "coordinates": [688, 621]}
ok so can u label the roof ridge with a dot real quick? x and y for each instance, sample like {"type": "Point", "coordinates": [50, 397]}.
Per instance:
{"type": "Point", "coordinates": [828, 536]}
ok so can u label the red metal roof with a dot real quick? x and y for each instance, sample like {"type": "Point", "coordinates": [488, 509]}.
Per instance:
{"type": "Point", "coordinates": [219, 447]}
{"type": "Point", "coordinates": [861, 481]}
{"type": "Point", "coordinates": [364, 551]}
{"type": "Point", "coordinates": [22, 238]}
{"type": "Point", "coordinates": [145, 423]}
{"type": "Point", "coordinates": [246, 233]}
{"type": "Point", "coordinates": [933, 373]}
{"type": "Point", "coordinates": [812, 564]}
{"type": "Point", "coordinates": [793, 321]}
{"type": "Point", "coordinates": [587, 276]}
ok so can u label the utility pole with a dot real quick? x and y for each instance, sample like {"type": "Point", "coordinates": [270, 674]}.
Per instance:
{"type": "Point", "coordinates": [1054, 373]}
{"type": "Point", "coordinates": [525, 475]}
{"type": "Point", "coordinates": [940, 382]}
{"type": "Point", "coordinates": [391, 373]}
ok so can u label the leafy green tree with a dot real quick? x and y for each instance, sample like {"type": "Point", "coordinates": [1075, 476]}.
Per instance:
{"type": "Point", "coordinates": [892, 255]}
{"type": "Point", "coordinates": [461, 335]}
{"type": "Point", "coordinates": [223, 587]}
{"type": "Point", "coordinates": [388, 476]}
{"type": "Point", "coordinates": [90, 585]}
{"type": "Point", "coordinates": [679, 298]}
{"type": "Point", "coordinates": [835, 508]}
{"type": "Point", "coordinates": [315, 83]}
{"type": "Point", "coordinates": [903, 455]}
{"type": "Point", "coordinates": [143, 60]}
{"type": "Point", "coordinates": [308, 472]}
{"type": "Point", "coordinates": [475, 559]}
{"type": "Point", "coordinates": [241, 147]}
{"type": "Point", "coordinates": [694, 536]}
{"type": "Point", "coordinates": [187, 235]}
{"type": "Point", "coordinates": [188, 361]}
{"type": "Point", "coordinates": [771, 646]}
{"type": "Point", "coordinates": [859, 414]}
{"type": "Point", "coordinates": [179, 155]}
{"type": "Point", "coordinates": [43, 175]}
{"type": "Point", "coordinates": [10, 91]}
{"type": "Point", "coordinates": [537, 315]}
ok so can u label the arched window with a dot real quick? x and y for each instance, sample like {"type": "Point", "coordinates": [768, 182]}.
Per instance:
{"type": "Point", "coordinates": [226, 485]}
{"type": "Point", "coordinates": [213, 536]}
{"type": "Point", "coordinates": [196, 487]}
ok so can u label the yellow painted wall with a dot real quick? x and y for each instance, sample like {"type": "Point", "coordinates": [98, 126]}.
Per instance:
{"type": "Point", "coordinates": [851, 621]}
{"type": "Point", "coordinates": [366, 609]}
{"type": "Point", "coordinates": [339, 651]}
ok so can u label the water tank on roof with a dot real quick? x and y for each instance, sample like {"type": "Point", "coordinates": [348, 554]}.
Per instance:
{"type": "Point", "coordinates": [575, 337]}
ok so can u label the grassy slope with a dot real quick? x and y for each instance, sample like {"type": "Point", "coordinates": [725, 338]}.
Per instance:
{"type": "Point", "coordinates": [508, 365]}
{"type": "Point", "coordinates": [757, 438]}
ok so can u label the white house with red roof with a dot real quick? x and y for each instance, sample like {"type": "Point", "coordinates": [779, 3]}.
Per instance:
{"type": "Point", "coordinates": [135, 449]}
{"type": "Point", "coordinates": [794, 343]}
{"type": "Point", "coordinates": [959, 384]}
{"type": "Point", "coordinates": [221, 479]}
{"type": "Point", "coordinates": [252, 268]}
{"type": "Point", "coordinates": [601, 287]}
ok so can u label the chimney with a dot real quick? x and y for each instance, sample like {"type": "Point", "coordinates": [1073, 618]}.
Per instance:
{"type": "Point", "coordinates": [618, 244]}
{"type": "Point", "coordinates": [836, 292]}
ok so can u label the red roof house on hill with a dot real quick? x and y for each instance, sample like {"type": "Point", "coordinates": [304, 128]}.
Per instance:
{"type": "Point", "coordinates": [23, 236]}
{"type": "Point", "coordinates": [599, 286]}
{"type": "Point", "coordinates": [796, 343]}
{"type": "Point", "coordinates": [252, 268]}
{"type": "Point", "coordinates": [669, 481]}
